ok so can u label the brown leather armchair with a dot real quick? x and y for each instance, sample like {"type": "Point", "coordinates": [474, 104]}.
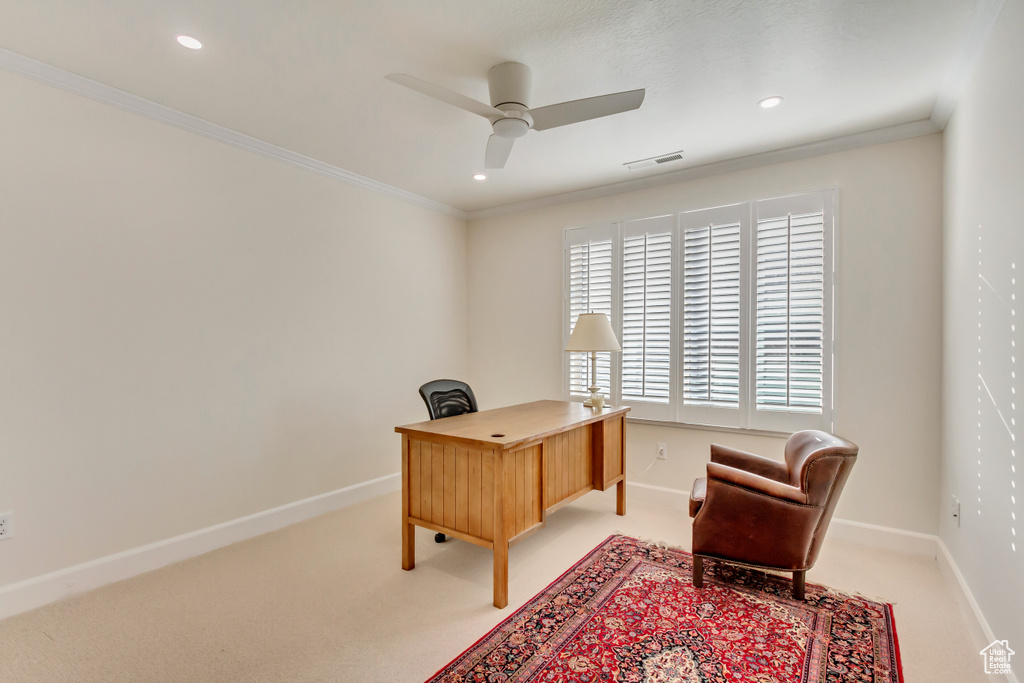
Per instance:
{"type": "Point", "coordinates": [764, 513]}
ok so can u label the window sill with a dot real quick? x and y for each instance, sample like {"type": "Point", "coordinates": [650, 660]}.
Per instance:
{"type": "Point", "coordinates": [705, 428]}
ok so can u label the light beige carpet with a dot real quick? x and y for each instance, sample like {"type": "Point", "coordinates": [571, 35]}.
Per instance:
{"type": "Point", "coordinates": [326, 600]}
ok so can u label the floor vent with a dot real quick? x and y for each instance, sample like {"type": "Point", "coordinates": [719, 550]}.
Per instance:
{"type": "Point", "coordinates": [654, 161]}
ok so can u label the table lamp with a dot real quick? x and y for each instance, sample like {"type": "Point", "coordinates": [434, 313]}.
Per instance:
{"type": "Point", "coordinates": [593, 333]}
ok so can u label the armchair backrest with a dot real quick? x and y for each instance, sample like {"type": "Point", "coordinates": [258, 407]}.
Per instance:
{"type": "Point", "coordinates": [819, 464]}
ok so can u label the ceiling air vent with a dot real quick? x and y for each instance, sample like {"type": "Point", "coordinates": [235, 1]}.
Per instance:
{"type": "Point", "coordinates": [654, 161]}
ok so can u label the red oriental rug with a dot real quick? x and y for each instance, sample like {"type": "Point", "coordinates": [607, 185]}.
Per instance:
{"type": "Point", "coordinates": [627, 612]}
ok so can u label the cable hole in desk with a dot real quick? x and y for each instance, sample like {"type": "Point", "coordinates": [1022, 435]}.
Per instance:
{"type": "Point", "coordinates": [497, 436]}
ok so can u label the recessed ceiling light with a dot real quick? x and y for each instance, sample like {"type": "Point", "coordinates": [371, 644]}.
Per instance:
{"type": "Point", "coordinates": [189, 42]}
{"type": "Point", "coordinates": [769, 102]}
{"type": "Point", "coordinates": [479, 176]}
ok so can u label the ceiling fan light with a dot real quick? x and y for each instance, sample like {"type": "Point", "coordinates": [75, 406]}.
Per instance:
{"type": "Point", "coordinates": [769, 102]}
{"type": "Point", "coordinates": [511, 128]}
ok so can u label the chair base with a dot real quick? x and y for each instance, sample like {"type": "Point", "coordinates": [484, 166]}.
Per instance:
{"type": "Point", "coordinates": [799, 578]}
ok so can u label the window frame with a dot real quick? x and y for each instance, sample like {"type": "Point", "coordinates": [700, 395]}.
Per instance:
{"type": "Point", "coordinates": [572, 237]}
{"type": "Point", "coordinates": [746, 417]}
{"type": "Point", "coordinates": [787, 420]}
{"type": "Point", "coordinates": [712, 415]}
{"type": "Point", "coordinates": [650, 409]}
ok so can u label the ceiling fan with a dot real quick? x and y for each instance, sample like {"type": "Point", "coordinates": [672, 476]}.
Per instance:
{"type": "Point", "coordinates": [510, 113]}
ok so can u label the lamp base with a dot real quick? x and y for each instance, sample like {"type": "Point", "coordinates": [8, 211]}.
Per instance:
{"type": "Point", "coordinates": [596, 400]}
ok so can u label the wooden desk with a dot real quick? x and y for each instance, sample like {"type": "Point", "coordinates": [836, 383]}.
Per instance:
{"type": "Point", "coordinates": [492, 477]}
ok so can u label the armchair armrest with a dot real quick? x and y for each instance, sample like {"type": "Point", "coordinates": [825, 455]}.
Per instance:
{"type": "Point", "coordinates": [756, 464]}
{"type": "Point", "coordinates": [755, 482]}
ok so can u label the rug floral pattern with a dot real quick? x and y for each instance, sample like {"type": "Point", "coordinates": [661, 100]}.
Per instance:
{"type": "Point", "coordinates": [628, 612]}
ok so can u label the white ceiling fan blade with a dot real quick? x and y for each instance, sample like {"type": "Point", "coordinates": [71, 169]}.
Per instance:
{"type": "Point", "coordinates": [555, 115]}
{"type": "Point", "coordinates": [446, 95]}
{"type": "Point", "coordinates": [498, 149]}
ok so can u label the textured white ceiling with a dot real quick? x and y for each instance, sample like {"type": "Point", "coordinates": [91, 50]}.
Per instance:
{"type": "Point", "coordinates": [308, 75]}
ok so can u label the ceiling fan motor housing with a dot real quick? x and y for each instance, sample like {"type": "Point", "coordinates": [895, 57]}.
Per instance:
{"type": "Point", "coordinates": [509, 84]}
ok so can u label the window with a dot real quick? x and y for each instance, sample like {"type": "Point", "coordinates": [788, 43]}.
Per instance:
{"type": "Point", "coordinates": [646, 332]}
{"type": "Point", "coordinates": [589, 267]}
{"type": "Point", "coordinates": [724, 314]}
{"type": "Point", "coordinates": [793, 311]}
{"type": "Point", "coordinates": [712, 359]}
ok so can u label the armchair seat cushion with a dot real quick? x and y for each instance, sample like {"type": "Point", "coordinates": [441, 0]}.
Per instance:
{"type": "Point", "coordinates": [697, 495]}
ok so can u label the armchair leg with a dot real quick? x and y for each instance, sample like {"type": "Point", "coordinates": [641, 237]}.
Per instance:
{"type": "Point", "coordinates": [698, 571]}
{"type": "Point", "coordinates": [798, 584]}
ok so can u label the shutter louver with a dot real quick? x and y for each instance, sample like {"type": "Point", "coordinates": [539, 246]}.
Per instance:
{"type": "Point", "coordinates": [790, 317]}
{"type": "Point", "coordinates": [711, 315]}
{"type": "Point", "coordinates": [646, 316]}
{"type": "Point", "coordinates": [590, 291]}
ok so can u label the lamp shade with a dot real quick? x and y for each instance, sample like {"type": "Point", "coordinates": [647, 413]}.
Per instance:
{"type": "Point", "coordinates": [593, 332]}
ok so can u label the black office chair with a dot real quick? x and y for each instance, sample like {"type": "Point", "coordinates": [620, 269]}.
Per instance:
{"type": "Point", "coordinates": [447, 398]}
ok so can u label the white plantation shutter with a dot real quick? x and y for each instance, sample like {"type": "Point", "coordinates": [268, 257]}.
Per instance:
{"type": "Point", "coordinates": [711, 357]}
{"type": "Point", "coordinates": [590, 291]}
{"type": "Point", "coordinates": [711, 315]}
{"type": "Point", "coordinates": [646, 337]}
{"type": "Point", "coordinates": [792, 319]}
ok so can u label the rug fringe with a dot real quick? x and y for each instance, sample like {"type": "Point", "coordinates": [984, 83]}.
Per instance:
{"type": "Point", "coordinates": [657, 543]}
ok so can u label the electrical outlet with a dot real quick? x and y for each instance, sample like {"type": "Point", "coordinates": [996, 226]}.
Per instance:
{"type": "Point", "coordinates": [5, 525]}
{"type": "Point", "coordinates": [662, 451]}
{"type": "Point", "coordinates": [955, 509]}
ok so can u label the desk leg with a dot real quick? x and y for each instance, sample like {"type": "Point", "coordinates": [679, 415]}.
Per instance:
{"type": "Point", "coordinates": [408, 545]}
{"type": "Point", "coordinates": [408, 530]}
{"type": "Point", "coordinates": [501, 575]}
{"type": "Point", "coordinates": [502, 505]}
{"type": "Point", "coordinates": [620, 492]}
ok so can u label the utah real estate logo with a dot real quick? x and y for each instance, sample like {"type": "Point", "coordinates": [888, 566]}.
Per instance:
{"type": "Point", "coordinates": [997, 657]}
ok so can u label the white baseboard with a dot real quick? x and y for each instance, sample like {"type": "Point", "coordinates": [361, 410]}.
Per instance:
{"type": "Point", "coordinates": [673, 498]}
{"type": "Point", "coordinates": [981, 632]}
{"type": "Point", "coordinates": [42, 590]}
{"type": "Point", "coordinates": [889, 538]}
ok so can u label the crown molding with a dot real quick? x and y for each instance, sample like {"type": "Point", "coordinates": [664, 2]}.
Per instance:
{"type": "Point", "coordinates": [841, 144]}
{"type": "Point", "coordinates": [56, 77]}
{"type": "Point", "coordinates": [970, 52]}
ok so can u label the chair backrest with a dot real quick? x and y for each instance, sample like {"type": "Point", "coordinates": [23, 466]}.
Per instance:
{"type": "Point", "coordinates": [448, 397]}
{"type": "Point", "coordinates": [819, 463]}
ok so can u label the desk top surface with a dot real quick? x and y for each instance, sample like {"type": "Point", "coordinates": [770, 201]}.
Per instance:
{"type": "Point", "coordinates": [509, 427]}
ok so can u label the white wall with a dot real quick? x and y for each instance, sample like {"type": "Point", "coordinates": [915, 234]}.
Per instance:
{"type": "Point", "coordinates": [888, 317]}
{"type": "Point", "coordinates": [984, 289]}
{"type": "Point", "coordinates": [191, 333]}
